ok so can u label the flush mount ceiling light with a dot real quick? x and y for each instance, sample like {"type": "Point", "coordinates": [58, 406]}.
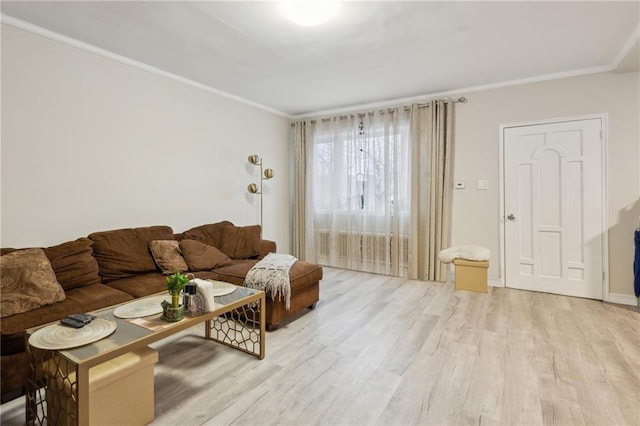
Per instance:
{"type": "Point", "coordinates": [309, 13]}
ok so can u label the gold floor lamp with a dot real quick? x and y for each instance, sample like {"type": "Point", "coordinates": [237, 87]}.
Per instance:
{"type": "Point", "coordinates": [264, 175]}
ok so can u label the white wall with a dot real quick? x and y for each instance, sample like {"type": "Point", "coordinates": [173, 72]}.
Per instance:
{"type": "Point", "coordinates": [89, 143]}
{"type": "Point", "coordinates": [476, 215]}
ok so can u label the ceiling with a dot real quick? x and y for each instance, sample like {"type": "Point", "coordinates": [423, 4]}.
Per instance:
{"type": "Point", "coordinates": [372, 52]}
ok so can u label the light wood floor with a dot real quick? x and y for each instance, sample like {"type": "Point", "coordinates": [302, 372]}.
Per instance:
{"type": "Point", "coordinates": [382, 350]}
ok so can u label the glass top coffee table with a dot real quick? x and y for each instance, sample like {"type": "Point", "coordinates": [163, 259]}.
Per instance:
{"type": "Point", "coordinates": [238, 321]}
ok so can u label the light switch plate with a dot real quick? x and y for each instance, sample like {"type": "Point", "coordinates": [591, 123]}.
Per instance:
{"type": "Point", "coordinates": [482, 184]}
{"type": "Point", "coordinates": [459, 185]}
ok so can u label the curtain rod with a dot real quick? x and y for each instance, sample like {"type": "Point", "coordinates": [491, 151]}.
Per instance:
{"type": "Point", "coordinates": [461, 99]}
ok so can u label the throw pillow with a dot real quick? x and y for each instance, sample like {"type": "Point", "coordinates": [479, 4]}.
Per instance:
{"type": "Point", "coordinates": [241, 242]}
{"type": "Point", "coordinates": [168, 256]}
{"type": "Point", "coordinates": [202, 257]}
{"type": "Point", "coordinates": [27, 282]}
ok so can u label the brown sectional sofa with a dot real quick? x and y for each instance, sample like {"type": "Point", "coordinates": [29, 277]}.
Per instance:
{"type": "Point", "coordinates": [113, 267]}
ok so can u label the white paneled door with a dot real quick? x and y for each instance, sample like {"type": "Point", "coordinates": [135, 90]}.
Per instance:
{"type": "Point", "coordinates": [553, 207]}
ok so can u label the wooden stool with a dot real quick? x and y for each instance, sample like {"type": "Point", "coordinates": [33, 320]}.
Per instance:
{"type": "Point", "coordinates": [471, 275]}
{"type": "Point", "coordinates": [120, 391]}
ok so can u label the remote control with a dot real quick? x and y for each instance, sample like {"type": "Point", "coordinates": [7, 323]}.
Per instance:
{"type": "Point", "coordinates": [83, 318]}
{"type": "Point", "coordinates": [69, 322]}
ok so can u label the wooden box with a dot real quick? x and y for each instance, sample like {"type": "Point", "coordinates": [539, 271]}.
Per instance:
{"type": "Point", "coordinates": [120, 392]}
{"type": "Point", "coordinates": [471, 275]}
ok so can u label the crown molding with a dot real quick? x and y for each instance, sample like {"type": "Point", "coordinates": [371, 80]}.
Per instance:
{"type": "Point", "coordinates": [17, 23]}
{"type": "Point", "coordinates": [626, 47]}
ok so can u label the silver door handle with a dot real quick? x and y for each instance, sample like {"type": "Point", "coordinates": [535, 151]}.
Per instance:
{"type": "Point", "coordinates": [511, 217]}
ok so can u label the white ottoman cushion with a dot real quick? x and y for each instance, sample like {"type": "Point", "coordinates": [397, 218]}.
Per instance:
{"type": "Point", "coordinates": [475, 253]}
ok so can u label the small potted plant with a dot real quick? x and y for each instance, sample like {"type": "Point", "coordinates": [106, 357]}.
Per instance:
{"type": "Point", "coordinates": [174, 311]}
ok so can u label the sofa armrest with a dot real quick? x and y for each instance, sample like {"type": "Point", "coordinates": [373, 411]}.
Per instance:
{"type": "Point", "coordinates": [266, 247]}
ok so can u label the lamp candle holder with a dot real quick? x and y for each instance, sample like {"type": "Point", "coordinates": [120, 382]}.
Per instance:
{"type": "Point", "coordinates": [264, 175]}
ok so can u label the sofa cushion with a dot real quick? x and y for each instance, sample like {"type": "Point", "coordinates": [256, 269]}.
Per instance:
{"type": "Point", "coordinates": [74, 263]}
{"type": "Point", "coordinates": [241, 242]}
{"type": "Point", "coordinates": [203, 257]}
{"type": "Point", "coordinates": [97, 296]}
{"type": "Point", "coordinates": [27, 282]}
{"type": "Point", "coordinates": [266, 247]}
{"type": "Point", "coordinates": [210, 234]}
{"type": "Point", "coordinates": [168, 256]}
{"type": "Point", "coordinates": [80, 299]}
{"type": "Point", "coordinates": [236, 272]}
{"type": "Point", "coordinates": [141, 285]}
{"type": "Point", "coordinates": [124, 253]}
{"type": "Point", "coordinates": [301, 274]}
{"type": "Point", "coordinates": [38, 316]}
{"type": "Point", "coordinates": [207, 275]}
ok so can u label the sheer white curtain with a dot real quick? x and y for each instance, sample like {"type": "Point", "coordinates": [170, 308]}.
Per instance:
{"type": "Point", "coordinates": [358, 180]}
{"type": "Point", "coordinates": [372, 191]}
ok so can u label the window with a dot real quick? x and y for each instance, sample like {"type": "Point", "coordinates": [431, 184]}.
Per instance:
{"type": "Point", "coordinates": [359, 186]}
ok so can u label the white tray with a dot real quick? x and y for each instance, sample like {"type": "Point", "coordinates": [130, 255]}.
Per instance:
{"type": "Point", "coordinates": [141, 307]}
{"type": "Point", "coordinates": [58, 336]}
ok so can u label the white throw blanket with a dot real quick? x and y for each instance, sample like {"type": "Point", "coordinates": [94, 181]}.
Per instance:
{"type": "Point", "coordinates": [271, 275]}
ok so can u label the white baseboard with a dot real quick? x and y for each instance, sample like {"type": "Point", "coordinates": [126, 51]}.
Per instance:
{"type": "Point", "coordinates": [451, 276]}
{"type": "Point", "coordinates": [495, 282]}
{"type": "Point", "coordinates": [619, 298]}
{"type": "Point", "coordinates": [622, 299]}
